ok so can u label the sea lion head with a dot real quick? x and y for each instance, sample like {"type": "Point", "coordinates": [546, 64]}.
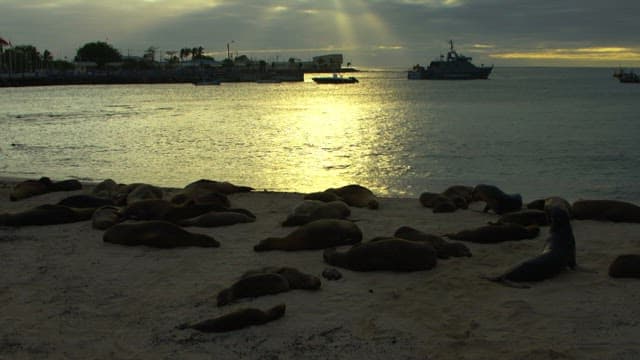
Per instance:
{"type": "Point", "coordinates": [558, 217]}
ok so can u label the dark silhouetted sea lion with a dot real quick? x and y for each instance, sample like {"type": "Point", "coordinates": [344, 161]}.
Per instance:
{"type": "Point", "coordinates": [444, 249]}
{"type": "Point", "coordinates": [217, 218]}
{"type": "Point", "coordinates": [625, 266]}
{"type": "Point", "coordinates": [161, 234]}
{"type": "Point", "coordinates": [29, 188]}
{"type": "Point", "coordinates": [390, 254]}
{"type": "Point", "coordinates": [607, 210]}
{"type": "Point", "coordinates": [525, 217]}
{"type": "Point", "coordinates": [85, 201]}
{"type": "Point", "coordinates": [267, 281]}
{"type": "Point", "coordinates": [208, 192]}
{"type": "Point", "coordinates": [496, 199]}
{"type": "Point", "coordinates": [46, 215]}
{"type": "Point", "coordinates": [353, 195]}
{"type": "Point", "coordinates": [138, 192]}
{"type": "Point", "coordinates": [238, 319]}
{"type": "Point", "coordinates": [158, 209]}
{"type": "Point", "coordinates": [490, 234]}
{"type": "Point", "coordinates": [460, 191]}
{"type": "Point", "coordinates": [558, 254]}
{"type": "Point", "coordinates": [324, 196]}
{"type": "Point", "coordinates": [310, 210]}
{"type": "Point", "coordinates": [105, 217]}
{"type": "Point", "coordinates": [296, 278]}
{"type": "Point", "coordinates": [319, 234]}
{"type": "Point", "coordinates": [253, 286]}
{"type": "Point", "coordinates": [551, 201]}
{"type": "Point", "coordinates": [453, 198]}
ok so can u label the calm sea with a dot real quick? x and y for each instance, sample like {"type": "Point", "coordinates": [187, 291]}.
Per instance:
{"type": "Point", "coordinates": [572, 132]}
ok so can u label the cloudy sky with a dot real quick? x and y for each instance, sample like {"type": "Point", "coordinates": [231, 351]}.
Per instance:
{"type": "Point", "coordinates": [370, 33]}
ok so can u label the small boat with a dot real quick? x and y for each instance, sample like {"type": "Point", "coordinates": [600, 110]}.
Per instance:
{"type": "Point", "coordinates": [335, 79]}
{"type": "Point", "coordinates": [626, 76]}
{"type": "Point", "coordinates": [455, 67]}
{"type": "Point", "coordinates": [206, 82]}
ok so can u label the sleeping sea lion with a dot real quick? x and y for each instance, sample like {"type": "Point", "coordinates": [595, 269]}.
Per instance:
{"type": "Point", "coordinates": [357, 195]}
{"type": "Point", "coordinates": [443, 248]}
{"type": "Point", "coordinates": [490, 234]}
{"type": "Point", "coordinates": [296, 278]}
{"type": "Point", "coordinates": [29, 188]}
{"type": "Point", "coordinates": [496, 199]}
{"type": "Point", "coordinates": [46, 215]}
{"type": "Point", "coordinates": [324, 196]}
{"type": "Point", "coordinates": [161, 234]}
{"type": "Point", "coordinates": [390, 254]}
{"type": "Point", "coordinates": [158, 209]}
{"type": "Point", "coordinates": [625, 266]}
{"type": "Point", "coordinates": [253, 286]}
{"type": "Point", "coordinates": [318, 234]}
{"type": "Point", "coordinates": [105, 217]}
{"type": "Point", "coordinates": [138, 192]}
{"type": "Point", "coordinates": [438, 202]}
{"type": "Point", "coordinates": [267, 281]}
{"type": "Point", "coordinates": [607, 210]}
{"type": "Point", "coordinates": [310, 210]}
{"type": "Point", "coordinates": [558, 254]}
{"type": "Point", "coordinates": [238, 319]}
{"type": "Point", "coordinates": [217, 218]}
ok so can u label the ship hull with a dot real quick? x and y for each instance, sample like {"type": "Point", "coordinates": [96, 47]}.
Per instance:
{"type": "Point", "coordinates": [478, 74]}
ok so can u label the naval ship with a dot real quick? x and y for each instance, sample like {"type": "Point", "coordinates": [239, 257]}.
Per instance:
{"type": "Point", "coordinates": [454, 67]}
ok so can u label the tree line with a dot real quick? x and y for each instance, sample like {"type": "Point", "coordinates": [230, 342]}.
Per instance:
{"type": "Point", "coordinates": [27, 58]}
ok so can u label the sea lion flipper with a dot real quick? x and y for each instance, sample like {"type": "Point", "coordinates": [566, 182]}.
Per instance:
{"type": "Point", "coordinates": [505, 282]}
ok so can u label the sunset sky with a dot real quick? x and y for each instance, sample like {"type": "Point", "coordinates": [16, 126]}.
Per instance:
{"type": "Point", "coordinates": [370, 33]}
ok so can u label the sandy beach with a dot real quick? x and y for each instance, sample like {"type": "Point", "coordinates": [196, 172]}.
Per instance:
{"type": "Point", "coordinates": [65, 294]}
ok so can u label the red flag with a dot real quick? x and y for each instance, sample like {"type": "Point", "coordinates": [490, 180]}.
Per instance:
{"type": "Point", "coordinates": [5, 42]}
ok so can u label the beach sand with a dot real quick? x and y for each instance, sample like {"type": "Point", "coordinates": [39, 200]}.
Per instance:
{"type": "Point", "coordinates": [64, 293]}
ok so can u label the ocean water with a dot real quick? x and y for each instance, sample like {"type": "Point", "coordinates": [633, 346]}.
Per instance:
{"type": "Point", "coordinates": [571, 132]}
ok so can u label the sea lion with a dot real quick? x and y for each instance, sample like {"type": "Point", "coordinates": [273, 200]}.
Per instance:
{"type": "Point", "coordinates": [390, 254]}
{"type": "Point", "coordinates": [30, 188]}
{"type": "Point", "coordinates": [217, 218]}
{"type": "Point", "coordinates": [460, 191]}
{"type": "Point", "coordinates": [525, 218]}
{"type": "Point", "coordinates": [161, 234]}
{"type": "Point", "coordinates": [453, 198]}
{"type": "Point", "coordinates": [105, 217]}
{"type": "Point", "coordinates": [558, 254]}
{"type": "Point", "coordinates": [625, 266]}
{"type": "Point", "coordinates": [318, 234]}
{"type": "Point", "coordinates": [85, 201]}
{"type": "Point", "coordinates": [138, 192]}
{"type": "Point", "coordinates": [552, 201]}
{"type": "Point", "coordinates": [490, 234]}
{"type": "Point", "coordinates": [310, 210]}
{"type": "Point", "coordinates": [296, 278]}
{"type": "Point", "coordinates": [443, 248]}
{"type": "Point", "coordinates": [331, 274]}
{"type": "Point", "coordinates": [253, 286]}
{"type": "Point", "coordinates": [324, 196]}
{"type": "Point", "coordinates": [496, 199]}
{"type": "Point", "coordinates": [158, 209]}
{"type": "Point", "coordinates": [606, 210]}
{"type": "Point", "coordinates": [238, 319]}
{"type": "Point", "coordinates": [267, 281]}
{"type": "Point", "coordinates": [208, 192]}
{"type": "Point", "coordinates": [356, 195]}
{"type": "Point", "coordinates": [46, 215]}
{"type": "Point", "coordinates": [438, 202]}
